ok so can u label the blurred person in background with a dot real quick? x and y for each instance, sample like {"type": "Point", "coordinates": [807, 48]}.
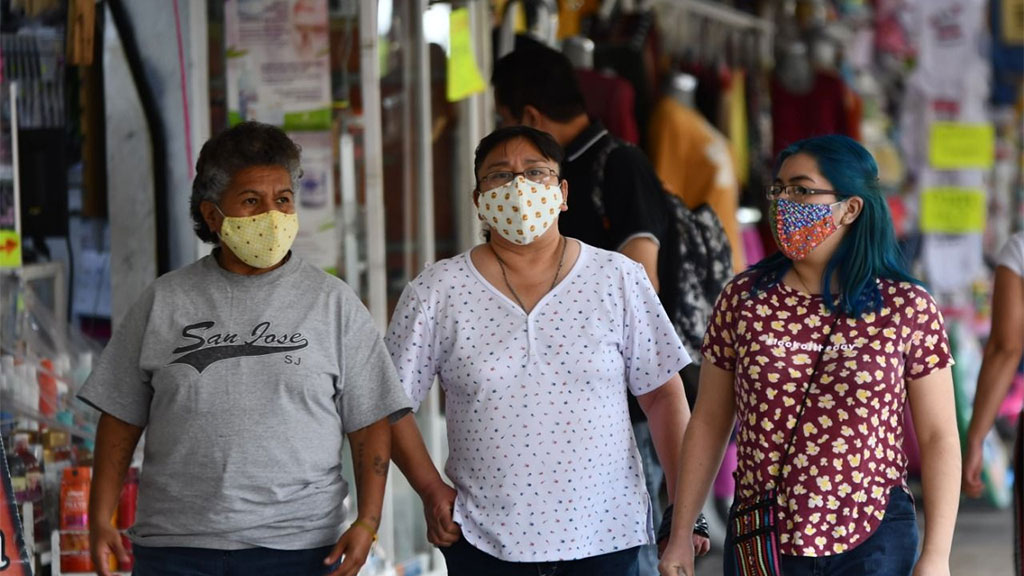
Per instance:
{"type": "Point", "coordinates": [1002, 357]}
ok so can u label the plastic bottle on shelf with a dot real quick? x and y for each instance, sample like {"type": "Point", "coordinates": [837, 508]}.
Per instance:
{"type": "Point", "coordinates": [6, 398]}
{"type": "Point", "coordinates": [74, 520]}
{"type": "Point", "coordinates": [79, 374]}
{"type": "Point", "coordinates": [47, 377]}
{"type": "Point", "coordinates": [29, 389]}
{"type": "Point", "coordinates": [30, 453]}
{"type": "Point", "coordinates": [56, 458]}
{"type": "Point", "coordinates": [19, 484]}
{"type": "Point", "coordinates": [126, 507]}
{"type": "Point", "coordinates": [63, 366]}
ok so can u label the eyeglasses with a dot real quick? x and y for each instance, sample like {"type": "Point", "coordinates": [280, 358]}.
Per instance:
{"type": "Point", "coordinates": [502, 177]}
{"type": "Point", "coordinates": [794, 191]}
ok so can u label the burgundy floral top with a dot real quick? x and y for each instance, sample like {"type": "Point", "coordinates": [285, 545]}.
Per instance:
{"type": "Point", "coordinates": [848, 451]}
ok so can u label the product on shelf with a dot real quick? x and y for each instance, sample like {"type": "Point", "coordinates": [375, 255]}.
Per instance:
{"type": "Point", "coordinates": [28, 450]}
{"type": "Point", "coordinates": [47, 388]}
{"type": "Point", "coordinates": [74, 520]}
{"type": "Point", "coordinates": [126, 512]}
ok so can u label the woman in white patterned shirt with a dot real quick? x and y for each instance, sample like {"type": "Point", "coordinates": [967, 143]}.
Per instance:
{"type": "Point", "coordinates": [536, 339]}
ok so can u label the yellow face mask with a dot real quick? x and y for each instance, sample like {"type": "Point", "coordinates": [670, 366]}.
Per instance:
{"type": "Point", "coordinates": [260, 241]}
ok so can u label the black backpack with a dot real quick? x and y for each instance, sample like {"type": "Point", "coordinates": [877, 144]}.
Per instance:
{"type": "Point", "coordinates": [694, 262]}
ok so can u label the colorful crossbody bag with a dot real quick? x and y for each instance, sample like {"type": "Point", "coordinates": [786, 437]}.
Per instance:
{"type": "Point", "coordinates": [754, 523]}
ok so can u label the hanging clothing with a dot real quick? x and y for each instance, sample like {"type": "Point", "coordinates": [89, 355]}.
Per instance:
{"type": "Point", "coordinates": [694, 163]}
{"type": "Point", "coordinates": [629, 45]}
{"type": "Point", "coordinates": [820, 111]}
{"type": "Point", "coordinates": [948, 42]}
{"type": "Point", "coordinates": [1007, 52]}
{"type": "Point", "coordinates": [610, 99]}
{"type": "Point", "coordinates": [734, 122]}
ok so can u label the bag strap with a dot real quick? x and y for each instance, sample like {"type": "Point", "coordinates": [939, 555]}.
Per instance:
{"type": "Point", "coordinates": [804, 401]}
{"type": "Point", "coordinates": [597, 193]}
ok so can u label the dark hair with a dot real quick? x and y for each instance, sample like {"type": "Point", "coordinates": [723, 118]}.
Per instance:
{"type": "Point", "coordinates": [541, 77]}
{"type": "Point", "coordinates": [242, 146]}
{"type": "Point", "coordinates": [869, 250]}
{"type": "Point", "coordinates": [544, 142]}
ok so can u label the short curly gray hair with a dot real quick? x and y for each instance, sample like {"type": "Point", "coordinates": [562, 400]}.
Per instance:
{"type": "Point", "coordinates": [242, 146]}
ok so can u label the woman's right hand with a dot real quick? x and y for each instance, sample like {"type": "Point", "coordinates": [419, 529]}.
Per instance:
{"type": "Point", "coordinates": [105, 543]}
{"type": "Point", "coordinates": [971, 478]}
{"type": "Point", "coordinates": [678, 557]}
{"type": "Point", "coordinates": [438, 505]}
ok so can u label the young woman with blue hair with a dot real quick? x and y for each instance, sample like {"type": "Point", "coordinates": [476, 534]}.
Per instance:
{"type": "Point", "coordinates": [816, 351]}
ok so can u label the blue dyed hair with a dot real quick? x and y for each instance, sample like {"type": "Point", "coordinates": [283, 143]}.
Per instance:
{"type": "Point", "coordinates": [869, 250]}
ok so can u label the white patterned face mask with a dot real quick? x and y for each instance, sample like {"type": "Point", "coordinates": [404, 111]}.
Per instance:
{"type": "Point", "coordinates": [520, 210]}
{"type": "Point", "coordinates": [260, 241]}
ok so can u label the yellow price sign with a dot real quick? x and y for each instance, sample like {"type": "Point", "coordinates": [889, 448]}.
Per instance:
{"type": "Point", "coordinates": [10, 249]}
{"type": "Point", "coordinates": [1012, 21]}
{"type": "Point", "coordinates": [959, 145]}
{"type": "Point", "coordinates": [464, 78]}
{"type": "Point", "coordinates": [952, 210]}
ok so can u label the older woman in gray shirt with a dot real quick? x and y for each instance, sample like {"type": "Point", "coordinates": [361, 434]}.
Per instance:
{"type": "Point", "coordinates": [245, 369]}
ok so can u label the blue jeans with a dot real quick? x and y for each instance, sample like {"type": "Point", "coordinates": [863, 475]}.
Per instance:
{"type": "Point", "coordinates": [654, 477]}
{"type": "Point", "coordinates": [463, 559]}
{"type": "Point", "coordinates": [154, 561]}
{"type": "Point", "coordinates": [891, 550]}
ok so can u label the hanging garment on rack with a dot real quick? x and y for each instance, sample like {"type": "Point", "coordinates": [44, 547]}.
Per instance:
{"type": "Point", "coordinates": [950, 31]}
{"type": "Point", "coordinates": [1007, 52]}
{"type": "Point", "coordinates": [928, 100]}
{"type": "Point", "coordinates": [629, 46]}
{"type": "Point", "coordinates": [610, 99]}
{"type": "Point", "coordinates": [734, 122]}
{"type": "Point", "coordinates": [694, 163]}
{"type": "Point", "coordinates": [708, 98]}
{"type": "Point", "coordinates": [760, 141]}
{"type": "Point", "coordinates": [797, 116]}
{"type": "Point", "coordinates": [572, 17]}
{"type": "Point", "coordinates": [854, 107]}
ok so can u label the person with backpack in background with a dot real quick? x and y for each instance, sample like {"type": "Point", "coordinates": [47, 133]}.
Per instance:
{"type": "Point", "coordinates": [617, 201]}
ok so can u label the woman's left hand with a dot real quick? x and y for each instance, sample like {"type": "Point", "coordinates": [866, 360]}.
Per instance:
{"type": "Point", "coordinates": [354, 547]}
{"type": "Point", "coordinates": [701, 545]}
{"type": "Point", "coordinates": [930, 565]}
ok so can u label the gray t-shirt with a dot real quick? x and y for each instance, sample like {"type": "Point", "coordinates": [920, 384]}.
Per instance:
{"type": "Point", "coordinates": [245, 385]}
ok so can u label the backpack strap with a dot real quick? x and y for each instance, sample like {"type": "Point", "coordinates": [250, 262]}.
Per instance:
{"type": "Point", "coordinates": [597, 194]}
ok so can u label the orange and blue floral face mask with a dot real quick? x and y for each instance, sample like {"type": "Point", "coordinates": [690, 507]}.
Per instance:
{"type": "Point", "coordinates": [799, 228]}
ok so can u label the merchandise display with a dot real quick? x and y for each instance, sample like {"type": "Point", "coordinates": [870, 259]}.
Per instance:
{"type": "Point", "coordinates": [708, 91]}
{"type": "Point", "coordinates": [46, 432]}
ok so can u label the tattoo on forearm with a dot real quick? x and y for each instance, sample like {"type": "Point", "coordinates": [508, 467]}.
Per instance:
{"type": "Point", "coordinates": [380, 466]}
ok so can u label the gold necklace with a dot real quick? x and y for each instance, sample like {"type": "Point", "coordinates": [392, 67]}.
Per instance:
{"type": "Point", "coordinates": [504, 275]}
{"type": "Point", "coordinates": [802, 283]}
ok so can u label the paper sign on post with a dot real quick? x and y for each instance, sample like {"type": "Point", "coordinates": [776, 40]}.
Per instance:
{"type": "Point", "coordinates": [464, 78]}
{"type": "Point", "coordinates": [1012, 21]}
{"type": "Point", "coordinates": [959, 145]}
{"type": "Point", "coordinates": [10, 249]}
{"type": "Point", "coordinates": [278, 62]}
{"type": "Point", "coordinates": [951, 210]}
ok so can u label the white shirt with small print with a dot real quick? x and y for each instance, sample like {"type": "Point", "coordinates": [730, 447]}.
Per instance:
{"type": "Point", "coordinates": [541, 450]}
